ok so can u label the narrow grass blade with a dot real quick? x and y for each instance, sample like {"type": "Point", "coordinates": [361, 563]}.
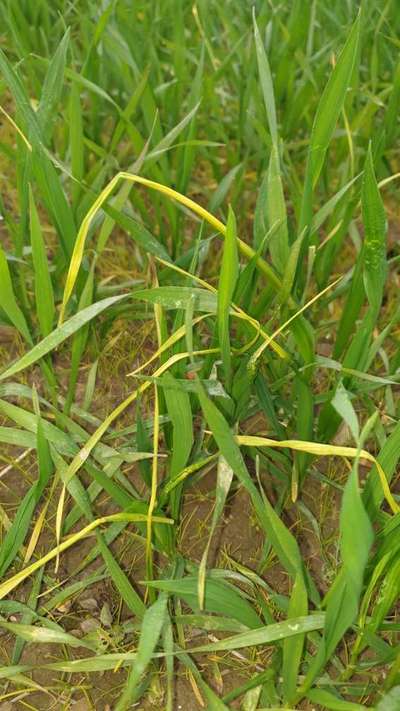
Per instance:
{"type": "Point", "coordinates": [223, 188]}
{"type": "Point", "coordinates": [168, 646]}
{"type": "Point", "coordinates": [275, 202]}
{"type": "Point", "coordinates": [8, 302]}
{"type": "Point", "coordinates": [153, 491]}
{"type": "Point", "coordinates": [327, 115]}
{"type": "Point", "coordinates": [121, 581]}
{"type": "Point", "coordinates": [76, 142]}
{"type": "Point", "coordinates": [55, 200]}
{"type": "Point", "coordinates": [180, 411]}
{"type": "Point", "coordinates": [44, 296]}
{"type": "Point", "coordinates": [266, 635]}
{"type": "Point", "coordinates": [293, 646]}
{"type": "Point", "coordinates": [343, 405]}
{"type": "Point", "coordinates": [79, 340]}
{"type": "Point", "coordinates": [356, 532]}
{"type": "Point", "coordinates": [226, 287]}
{"type": "Point", "coordinates": [152, 624]}
{"type": "Point", "coordinates": [52, 87]}
{"type": "Point", "coordinates": [139, 233]}
{"type": "Point", "coordinates": [178, 297]}
{"type": "Point", "coordinates": [329, 701]}
{"type": "Point", "coordinates": [266, 83]}
{"type": "Point", "coordinates": [276, 207]}
{"type": "Point", "coordinates": [374, 219]}
{"type": "Point", "coordinates": [220, 598]}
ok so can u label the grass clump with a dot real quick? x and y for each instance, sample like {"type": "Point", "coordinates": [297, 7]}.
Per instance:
{"type": "Point", "coordinates": [199, 415]}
